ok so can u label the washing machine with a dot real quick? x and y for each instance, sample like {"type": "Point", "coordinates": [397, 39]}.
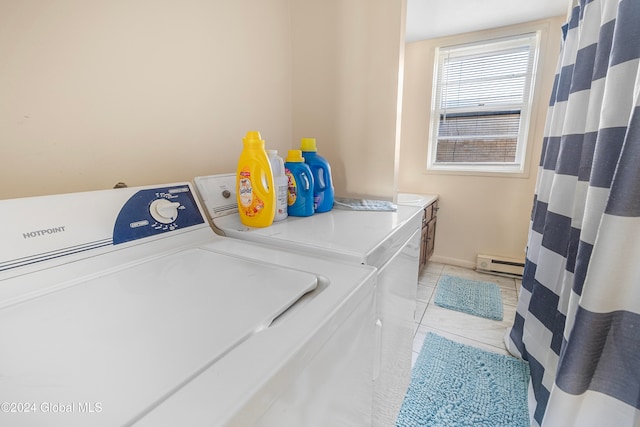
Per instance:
{"type": "Point", "coordinates": [122, 307]}
{"type": "Point", "coordinates": [386, 240]}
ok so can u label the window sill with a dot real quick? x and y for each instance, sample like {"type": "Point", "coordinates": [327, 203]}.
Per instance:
{"type": "Point", "coordinates": [488, 171]}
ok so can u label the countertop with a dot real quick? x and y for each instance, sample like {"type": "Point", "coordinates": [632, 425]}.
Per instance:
{"type": "Point", "coordinates": [421, 200]}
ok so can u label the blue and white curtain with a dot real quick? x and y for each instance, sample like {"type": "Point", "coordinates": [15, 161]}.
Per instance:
{"type": "Point", "coordinates": [578, 316]}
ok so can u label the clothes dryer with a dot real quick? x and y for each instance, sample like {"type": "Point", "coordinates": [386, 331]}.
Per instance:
{"type": "Point", "coordinates": [388, 241]}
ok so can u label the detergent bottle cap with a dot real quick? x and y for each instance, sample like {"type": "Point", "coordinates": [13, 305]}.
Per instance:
{"type": "Point", "coordinates": [308, 144]}
{"type": "Point", "coordinates": [253, 139]}
{"type": "Point", "coordinates": [295, 156]}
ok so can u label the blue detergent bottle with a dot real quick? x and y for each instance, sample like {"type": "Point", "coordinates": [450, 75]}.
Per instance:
{"type": "Point", "coordinates": [300, 185]}
{"type": "Point", "coordinates": [322, 184]}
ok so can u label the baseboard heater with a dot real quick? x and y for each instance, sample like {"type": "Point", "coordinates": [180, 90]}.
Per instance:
{"type": "Point", "coordinates": [499, 265]}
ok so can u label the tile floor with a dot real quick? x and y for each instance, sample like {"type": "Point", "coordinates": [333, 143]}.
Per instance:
{"type": "Point", "coordinates": [461, 327]}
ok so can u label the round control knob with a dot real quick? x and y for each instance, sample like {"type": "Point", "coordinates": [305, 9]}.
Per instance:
{"type": "Point", "coordinates": [164, 211]}
{"type": "Point", "coordinates": [226, 194]}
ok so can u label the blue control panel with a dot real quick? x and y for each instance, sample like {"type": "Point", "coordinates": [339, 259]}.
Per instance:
{"type": "Point", "coordinates": [150, 212]}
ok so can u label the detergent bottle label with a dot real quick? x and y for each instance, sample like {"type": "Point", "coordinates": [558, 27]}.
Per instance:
{"type": "Point", "coordinates": [292, 188]}
{"type": "Point", "coordinates": [251, 205]}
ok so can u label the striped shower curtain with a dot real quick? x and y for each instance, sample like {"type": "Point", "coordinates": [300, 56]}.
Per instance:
{"type": "Point", "coordinates": [578, 316]}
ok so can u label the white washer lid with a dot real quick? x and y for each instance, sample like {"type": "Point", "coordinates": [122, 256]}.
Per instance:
{"type": "Point", "coordinates": [128, 339]}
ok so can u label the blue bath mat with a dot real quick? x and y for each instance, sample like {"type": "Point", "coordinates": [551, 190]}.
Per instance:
{"type": "Point", "coordinates": [469, 296]}
{"type": "Point", "coordinates": [457, 385]}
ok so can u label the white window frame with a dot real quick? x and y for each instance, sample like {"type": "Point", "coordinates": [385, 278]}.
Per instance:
{"type": "Point", "coordinates": [480, 47]}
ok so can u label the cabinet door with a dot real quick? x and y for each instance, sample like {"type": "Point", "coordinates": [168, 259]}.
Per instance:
{"type": "Point", "coordinates": [430, 238]}
{"type": "Point", "coordinates": [427, 241]}
{"type": "Point", "coordinates": [423, 244]}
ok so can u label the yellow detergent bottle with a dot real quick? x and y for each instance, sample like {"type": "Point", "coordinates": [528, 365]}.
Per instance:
{"type": "Point", "coordinates": [255, 188]}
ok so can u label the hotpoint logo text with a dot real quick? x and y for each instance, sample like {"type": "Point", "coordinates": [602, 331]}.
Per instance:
{"type": "Point", "coordinates": [40, 233]}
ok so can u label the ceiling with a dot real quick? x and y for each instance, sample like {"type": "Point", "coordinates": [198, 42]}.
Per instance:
{"type": "Point", "coordinates": [428, 19]}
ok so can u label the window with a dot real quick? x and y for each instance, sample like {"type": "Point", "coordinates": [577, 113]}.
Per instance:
{"type": "Point", "coordinates": [481, 104]}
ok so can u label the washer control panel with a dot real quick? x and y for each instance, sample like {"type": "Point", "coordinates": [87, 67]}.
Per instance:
{"type": "Point", "coordinates": [154, 211]}
{"type": "Point", "coordinates": [51, 228]}
{"type": "Point", "coordinates": [218, 194]}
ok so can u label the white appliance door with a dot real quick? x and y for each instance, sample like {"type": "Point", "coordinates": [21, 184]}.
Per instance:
{"type": "Point", "coordinates": [397, 289]}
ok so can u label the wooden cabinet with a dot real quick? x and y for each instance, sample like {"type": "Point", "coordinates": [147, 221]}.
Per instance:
{"type": "Point", "coordinates": [427, 243]}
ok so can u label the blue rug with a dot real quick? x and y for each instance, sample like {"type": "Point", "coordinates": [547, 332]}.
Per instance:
{"type": "Point", "coordinates": [456, 385]}
{"type": "Point", "coordinates": [469, 296]}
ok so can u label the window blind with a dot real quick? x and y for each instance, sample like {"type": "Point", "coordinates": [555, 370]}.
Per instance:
{"type": "Point", "coordinates": [482, 100]}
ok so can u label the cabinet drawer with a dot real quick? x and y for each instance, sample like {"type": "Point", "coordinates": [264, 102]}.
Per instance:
{"type": "Point", "coordinates": [430, 212]}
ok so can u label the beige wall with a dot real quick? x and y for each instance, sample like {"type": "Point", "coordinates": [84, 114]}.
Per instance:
{"type": "Point", "coordinates": [145, 92]}
{"type": "Point", "coordinates": [478, 213]}
{"type": "Point", "coordinates": [346, 65]}
{"type": "Point", "coordinates": [148, 92]}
